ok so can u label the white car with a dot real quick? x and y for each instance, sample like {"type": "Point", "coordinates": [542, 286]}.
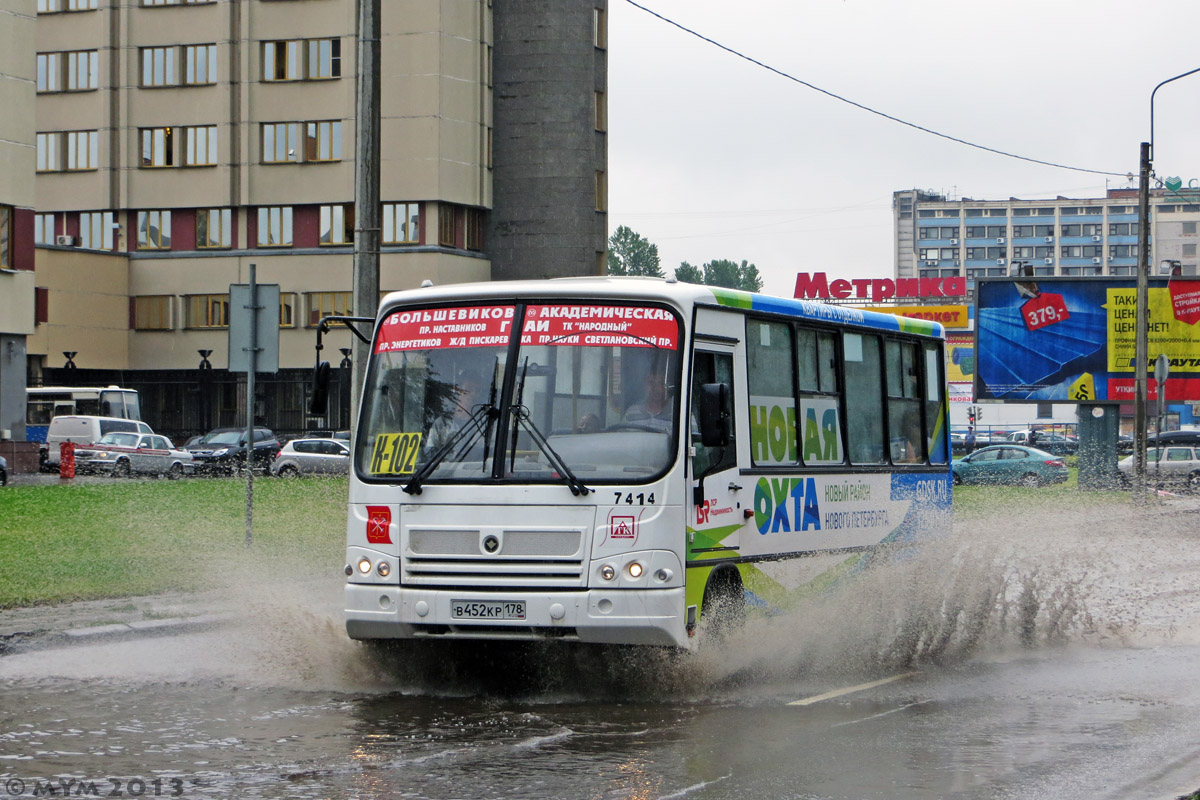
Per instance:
{"type": "Point", "coordinates": [123, 454]}
{"type": "Point", "coordinates": [1174, 464]}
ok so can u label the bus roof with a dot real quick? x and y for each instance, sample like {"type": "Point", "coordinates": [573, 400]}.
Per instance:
{"type": "Point", "coordinates": [683, 294]}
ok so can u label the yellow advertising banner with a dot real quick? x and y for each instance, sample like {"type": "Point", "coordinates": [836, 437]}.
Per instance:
{"type": "Point", "coordinates": [1167, 333]}
{"type": "Point", "coordinates": [949, 316]}
{"type": "Point", "coordinates": [960, 358]}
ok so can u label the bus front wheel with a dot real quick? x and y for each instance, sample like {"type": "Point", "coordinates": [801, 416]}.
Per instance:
{"type": "Point", "coordinates": [724, 607]}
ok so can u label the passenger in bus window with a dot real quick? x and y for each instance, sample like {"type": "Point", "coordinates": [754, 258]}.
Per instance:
{"type": "Point", "coordinates": [589, 423]}
{"type": "Point", "coordinates": [654, 409]}
{"type": "Point", "coordinates": [909, 449]}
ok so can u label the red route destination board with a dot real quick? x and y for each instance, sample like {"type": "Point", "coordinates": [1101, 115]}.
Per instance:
{"type": "Point", "coordinates": [560, 324]}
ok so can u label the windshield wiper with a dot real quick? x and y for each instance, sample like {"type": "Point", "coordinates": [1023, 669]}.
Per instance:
{"type": "Point", "coordinates": [468, 431]}
{"type": "Point", "coordinates": [521, 415]}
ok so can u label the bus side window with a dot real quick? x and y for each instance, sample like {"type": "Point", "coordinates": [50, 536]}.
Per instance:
{"type": "Point", "coordinates": [711, 368]}
{"type": "Point", "coordinates": [772, 406]}
{"type": "Point", "coordinates": [934, 411]}
{"type": "Point", "coordinates": [907, 443]}
{"type": "Point", "coordinates": [864, 399]}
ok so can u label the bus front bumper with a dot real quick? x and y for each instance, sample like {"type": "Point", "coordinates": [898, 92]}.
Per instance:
{"type": "Point", "coordinates": [645, 617]}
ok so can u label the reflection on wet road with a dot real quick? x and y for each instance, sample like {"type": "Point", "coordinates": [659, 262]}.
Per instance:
{"type": "Point", "coordinates": [998, 665]}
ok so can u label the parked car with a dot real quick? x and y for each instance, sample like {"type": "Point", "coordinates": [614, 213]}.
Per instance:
{"type": "Point", "coordinates": [1173, 464]}
{"type": "Point", "coordinates": [1054, 443]}
{"type": "Point", "coordinates": [1009, 464]}
{"type": "Point", "coordinates": [1189, 438]}
{"type": "Point", "coordinates": [3, 471]}
{"type": "Point", "coordinates": [83, 430]}
{"type": "Point", "coordinates": [325, 456]}
{"type": "Point", "coordinates": [223, 451]}
{"type": "Point", "coordinates": [123, 454]}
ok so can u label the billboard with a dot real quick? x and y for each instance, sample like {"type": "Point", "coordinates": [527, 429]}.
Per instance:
{"type": "Point", "coordinates": [1072, 340]}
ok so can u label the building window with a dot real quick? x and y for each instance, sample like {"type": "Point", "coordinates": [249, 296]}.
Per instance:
{"type": "Point", "coordinates": [154, 230]}
{"type": "Point", "coordinates": [158, 148]}
{"type": "Point", "coordinates": [152, 313]}
{"type": "Point", "coordinates": [43, 229]}
{"type": "Point", "coordinates": [599, 28]}
{"type": "Point", "coordinates": [6, 256]}
{"type": "Point", "coordinates": [475, 228]}
{"type": "Point", "coordinates": [47, 152]}
{"type": "Point", "coordinates": [49, 68]}
{"type": "Point", "coordinates": [83, 150]}
{"type": "Point", "coordinates": [158, 66]}
{"type": "Point", "coordinates": [49, 6]}
{"type": "Point", "coordinates": [1189, 250]}
{"type": "Point", "coordinates": [323, 141]}
{"type": "Point", "coordinates": [96, 230]}
{"type": "Point", "coordinates": [446, 225]}
{"type": "Point", "coordinates": [206, 310]}
{"type": "Point", "coordinates": [83, 71]}
{"type": "Point", "coordinates": [176, 2]}
{"type": "Point", "coordinates": [280, 142]}
{"type": "Point", "coordinates": [327, 304]}
{"type": "Point", "coordinates": [599, 111]}
{"type": "Point", "coordinates": [1188, 228]}
{"type": "Point", "coordinates": [82, 5]}
{"type": "Point", "coordinates": [287, 309]}
{"type": "Point", "coordinates": [601, 189]}
{"type": "Point", "coordinates": [201, 146]}
{"type": "Point", "coordinates": [337, 224]}
{"type": "Point", "coordinates": [282, 60]}
{"type": "Point", "coordinates": [214, 227]}
{"type": "Point", "coordinates": [200, 64]}
{"type": "Point", "coordinates": [400, 223]}
{"type": "Point", "coordinates": [324, 58]}
{"type": "Point", "coordinates": [275, 226]}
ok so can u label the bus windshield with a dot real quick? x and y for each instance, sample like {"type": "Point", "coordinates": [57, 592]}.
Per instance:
{"type": "Point", "coordinates": [590, 391]}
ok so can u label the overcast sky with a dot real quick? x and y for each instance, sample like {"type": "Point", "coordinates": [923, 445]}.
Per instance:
{"type": "Point", "coordinates": [711, 156]}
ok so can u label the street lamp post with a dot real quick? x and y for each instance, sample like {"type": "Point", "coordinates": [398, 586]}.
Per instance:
{"type": "Point", "coordinates": [1141, 345]}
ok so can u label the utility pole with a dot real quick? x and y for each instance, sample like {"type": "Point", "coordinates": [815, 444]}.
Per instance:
{"type": "Point", "coordinates": [1141, 345]}
{"type": "Point", "coordinates": [366, 186]}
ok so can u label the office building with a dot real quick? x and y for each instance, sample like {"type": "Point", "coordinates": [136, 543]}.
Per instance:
{"type": "Point", "coordinates": [939, 237]}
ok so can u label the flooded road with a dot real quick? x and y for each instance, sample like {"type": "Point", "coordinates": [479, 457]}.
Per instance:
{"type": "Point", "coordinates": [1004, 663]}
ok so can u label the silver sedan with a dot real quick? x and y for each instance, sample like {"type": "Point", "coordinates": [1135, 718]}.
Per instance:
{"type": "Point", "coordinates": [123, 454]}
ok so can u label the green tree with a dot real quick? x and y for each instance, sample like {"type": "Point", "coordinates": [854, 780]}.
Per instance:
{"type": "Point", "coordinates": [629, 253]}
{"type": "Point", "coordinates": [688, 274]}
{"type": "Point", "coordinates": [722, 272]}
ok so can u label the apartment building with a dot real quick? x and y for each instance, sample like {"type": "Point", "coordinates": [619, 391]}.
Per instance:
{"type": "Point", "coordinates": [180, 141]}
{"type": "Point", "coordinates": [938, 237]}
{"type": "Point", "coordinates": [17, 295]}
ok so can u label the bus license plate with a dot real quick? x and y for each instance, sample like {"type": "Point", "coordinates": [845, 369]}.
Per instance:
{"type": "Point", "coordinates": [487, 609]}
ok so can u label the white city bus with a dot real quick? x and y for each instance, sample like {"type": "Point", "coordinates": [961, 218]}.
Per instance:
{"type": "Point", "coordinates": [644, 454]}
{"type": "Point", "coordinates": [44, 403]}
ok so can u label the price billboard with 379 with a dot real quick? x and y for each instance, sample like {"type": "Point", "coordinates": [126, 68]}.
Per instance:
{"type": "Point", "coordinates": [1073, 340]}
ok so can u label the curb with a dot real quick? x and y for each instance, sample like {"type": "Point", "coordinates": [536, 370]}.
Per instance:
{"type": "Point", "coordinates": [22, 642]}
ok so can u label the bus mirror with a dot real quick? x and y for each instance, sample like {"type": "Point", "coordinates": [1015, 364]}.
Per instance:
{"type": "Point", "coordinates": [318, 397]}
{"type": "Point", "coordinates": [714, 414]}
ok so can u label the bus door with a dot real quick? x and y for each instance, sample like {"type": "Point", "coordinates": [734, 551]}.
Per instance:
{"type": "Point", "coordinates": [720, 498]}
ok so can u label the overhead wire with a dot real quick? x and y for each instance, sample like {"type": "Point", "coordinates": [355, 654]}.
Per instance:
{"type": "Point", "coordinates": [861, 106]}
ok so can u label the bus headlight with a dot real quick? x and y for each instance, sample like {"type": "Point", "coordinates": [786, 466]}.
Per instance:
{"type": "Point", "coordinates": [384, 569]}
{"type": "Point", "coordinates": [635, 569]}
{"type": "Point", "coordinates": [608, 572]}
{"type": "Point", "coordinates": [364, 565]}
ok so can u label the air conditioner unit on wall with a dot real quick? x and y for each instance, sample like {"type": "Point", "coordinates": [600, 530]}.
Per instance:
{"type": "Point", "coordinates": [1049, 239]}
{"type": "Point", "coordinates": [954, 241]}
{"type": "Point", "coordinates": [1000, 262]}
{"type": "Point", "coordinates": [1095, 238]}
{"type": "Point", "coordinates": [1096, 260]}
{"type": "Point", "coordinates": [931, 263]}
{"type": "Point", "coordinates": [1048, 261]}
{"type": "Point", "coordinates": [65, 241]}
{"type": "Point", "coordinates": [1001, 240]}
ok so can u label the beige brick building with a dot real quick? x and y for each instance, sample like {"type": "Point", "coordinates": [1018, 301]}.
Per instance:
{"type": "Point", "coordinates": [179, 141]}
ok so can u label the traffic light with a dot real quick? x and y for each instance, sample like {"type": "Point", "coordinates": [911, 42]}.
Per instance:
{"type": "Point", "coordinates": [971, 415]}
